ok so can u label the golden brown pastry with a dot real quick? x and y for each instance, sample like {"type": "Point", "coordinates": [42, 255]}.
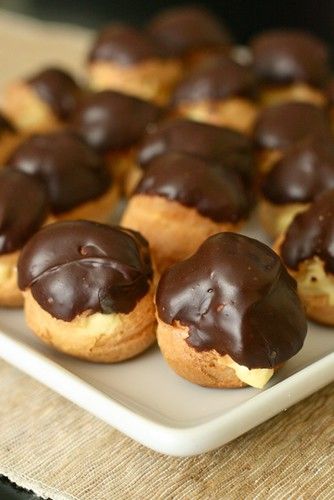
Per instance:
{"type": "Point", "coordinates": [9, 138]}
{"type": "Point", "coordinates": [88, 290]}
{"type": "Point", "coordinates": [229, 315]}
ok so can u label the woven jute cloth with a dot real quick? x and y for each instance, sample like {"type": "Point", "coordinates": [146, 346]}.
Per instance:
{"type": "Point", "coordinates": [59, 451]}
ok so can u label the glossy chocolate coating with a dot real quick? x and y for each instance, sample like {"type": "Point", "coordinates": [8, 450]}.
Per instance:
{"type": "Point", "coordinates": [220, 145]}
{"type": "Point", "coordinates": [6, 125]}
{"type": "Point", "coordinates": [215, 193]}
{"type": "Point", "coordinates": [23, 209]}
{"type": "Point", "coordinates": [56, 87]}
{"type": "Point", "coordinates": [220, 78]}
{"type": "Point", "coordinates": [71, 171]}
{"type": "Point", "coordinates": [109, 120]}
{"type": "Point", "coordinates": [283, 57]}
{"type": "Point", "coordinates": [305, 171]}
{"type": "Point", "coordinates": [182, 30]}
{"type": "Point", "coordinates": [311, 234]}
{"type": "Point", "coordinates": [77, 266]}
{"type": "Point", "coordinates": [282, 125]}
{"type": "Point", "coordinates": [124, 45]}
{"type": "Point", "coordinates": [237, 298]}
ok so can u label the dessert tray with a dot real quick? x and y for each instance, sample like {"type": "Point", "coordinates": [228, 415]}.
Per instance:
{"type": "Point", "coordinates": [144, 399]}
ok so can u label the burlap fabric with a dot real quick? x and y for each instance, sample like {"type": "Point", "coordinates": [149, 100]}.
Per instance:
{"type": "Point", "coordinates": [59, 451]}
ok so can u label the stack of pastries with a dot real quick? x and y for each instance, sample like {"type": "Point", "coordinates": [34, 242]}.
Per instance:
{"type": "Point", "coordinates": [193, 140]}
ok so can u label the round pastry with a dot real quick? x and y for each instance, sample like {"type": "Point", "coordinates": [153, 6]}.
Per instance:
{"type": "Point", "coordinates": [306, 249]}
{"type": "Point", "coordinates": [220, 145]}
{"type": "Point", "coordinates": [180, 201]}
{"type": "Point", "coordinates": [112, 124]}
{"type": "Point", "coordinates": [305, 171]}
{"type": "Point", "coordinates": [229, 315]}
{"type": "Point", "coordinates": [88, 290]}
{"type": "Point", "coordinates": [290, 65]}
{"type": "Point", "coordinates": [23, 209]}
{"type": "Point", "coordinates": [127, 60]}
{"type": "Point", "coordinates": [220, 92]}
{"type": "Point", "coordinates": [42, 102]}
{"type": "Point", "coordinates": [9, 138]}
{"type": "Point", "coordinates": [282, 125]}
{"type": "Point", "coordinates": [77, 181]}
{"type": "Point", "coordinates": [189, 33]}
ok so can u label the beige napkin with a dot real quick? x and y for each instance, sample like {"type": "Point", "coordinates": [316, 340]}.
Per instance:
{"type": "Point", "coordinates": [60, 451]}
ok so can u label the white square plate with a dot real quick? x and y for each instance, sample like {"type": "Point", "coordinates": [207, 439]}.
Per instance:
{"type": "Point", "coordinates": [144, 399]}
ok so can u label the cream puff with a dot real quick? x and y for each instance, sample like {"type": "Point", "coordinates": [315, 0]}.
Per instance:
{"type": "Point", "coordinates": [23, 210]}
{"type": "Point", "coordinates": [303, 173]}
{"type": "Point", "coordinates": [220, 92]}
{"type": "Point", "coordinates": [190, 34]}
{"type": "Point", "coordinates": [229, 315]}
{"type": "Point", "coordinates": [280, 126]}
{"type": "Point", "coordinates": [291, 66]}
{"type": "Point", "coordinates": [77, 181]}
{"type": "Point", "coordinates": [125, 59]}
{"type": "Point", "coordinates": [180, 201]}
{"type": "Point", "coordinates": [112, 124]}
{"type": "Point", "coordinates": [306, 248]}
{"type": "Point", "coordinates": [88, 290]}
{"type": "Point", "coordinates": [43, 101]}
{"type": "Point", "coordinates": [220, 145]}
{"type": "Point", "coordinates": [9, 138]}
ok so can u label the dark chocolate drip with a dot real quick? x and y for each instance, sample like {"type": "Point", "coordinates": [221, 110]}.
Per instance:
{"type": "Point", "coordinates": [6, 125]}
{"type": "Point", "coordinates": [109, 120]}
{"type": "Point", "coordinates": [124, 45]}
{"type": "Point", "coordinates": [77, 266]}
{"type": "Point", "coordinates": [220, 78]}
{"type": "Point", "coordinates": [71, 171]}
{"type": "Point", "coordinates": [193, 182]}
{"type": "Point", "coordinates": [23, 209]}
{"type": "Point", "coordinates": [304, 172]}
{"type": "Point", "coordinates": [220, 145]}
{"type": "Point", "coordinates": [237, 298]}
{"type": "Point", "coordinates": [283, 57]}
{"type": "Point", "coordinates": [282, 125]}
{"type": "Point", "coordinates": [182, 30]}
{"type": "Point", "coordinates": [311, 234]}
{"type": "Point", "coordinates": [56, 87]}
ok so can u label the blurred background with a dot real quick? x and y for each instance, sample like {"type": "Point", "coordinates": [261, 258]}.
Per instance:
{"type": "Point", "coordinates": [244, 17]}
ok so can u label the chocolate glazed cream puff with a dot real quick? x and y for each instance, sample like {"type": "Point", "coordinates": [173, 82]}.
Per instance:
{"type": "Point", "coordinates": [9, 138]}
{"type": "Point", "coordinates": [220, 145]}
{"type": "Point", "coordinates": [220, 92]}
{"type": "Point", "coordinates": [290, 66]}
{"type": "Point", "coordinates": [88, 290]}
{"type": "Point", "coordinates": [302, 174]}
{"type": "Point", "coordinates": [112, 124]}
{"type": "Point", "coordinates": [180, 201]}
{"type": "Point", "coordinates": [77, 181]}
{"type": "Point", "coordinates": [280, 126]}
{"type": "Point", "coordinates": [42, 102]}
{"type": "Point", "coordinates": [306, 249]}
{"type": "Point", "coordinates": [23, 210]}
{"type": "Point", "coordinates": [127, 60]}
{"type": "Point", "coordinates": [229, 316]}
{"type": "Point", "coordinates": [189, 33]}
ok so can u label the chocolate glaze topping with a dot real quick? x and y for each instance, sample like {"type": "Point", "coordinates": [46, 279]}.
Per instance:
{"type": "Point", "coordinates": [77, 266]}
{"type": "Point", "coordinates": [236, 297]}
{"type": "Point", "coordinates": [305, 171]}
{"type": "Point", "coordinates": [311, 234]}
{"type": "Point", "coordinates": [220, 145]}
{"type": "Point", "coordinates": [6, 125]}
{"type": "Point", "coordinates": [213, 192]}
{"type": "Point", "coordinates": [109, 120]}
{"type": "Point", "coordinates": [56, 87]}
{"type": "Point", "coordinates": [123, 44]}
{"type": "Point", "coordinates": [23, 209]}
{"type": "Point", "coordinates": [284, 124]}
{"type": "Point", "coordinates": [283, 57]}
{"type": "Point", "coordinates": [181, 30]}
{"type": "Point", "coordinates": [71, 171]}
{"type": "Point", "coordinates": [220, 78]}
